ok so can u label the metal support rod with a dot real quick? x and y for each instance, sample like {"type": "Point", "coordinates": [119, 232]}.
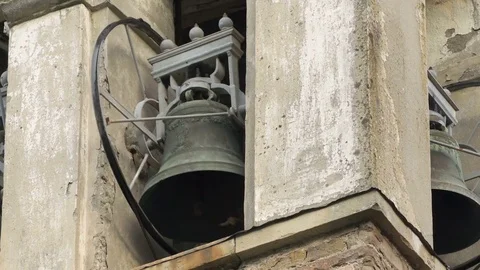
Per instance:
{"type": "Point", "coordinates": [169, 117]}
{"type": "Point", "coordinates": [117, 105]}
{"type": "Point", "coordinates": [476, 185]}
{"type": "Point", "coordinates": [473, 132]}
{"type": "Point", "coordinates": [136, 63]}
{"type": "Point", "coordinates": [456, 148]}
{"type": "Point", "coordinates": [137, 174]}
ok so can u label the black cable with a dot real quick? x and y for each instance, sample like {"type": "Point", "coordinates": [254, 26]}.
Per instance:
{"type": "Point", "coordinates": [463, 84]}
{"type": "Point", "coordinates": [468, 264]}
{"type": "Point", "coordinates": [143, 220]}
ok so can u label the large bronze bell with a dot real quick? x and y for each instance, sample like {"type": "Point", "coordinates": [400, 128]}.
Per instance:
{"type": "Point", "coordinates": [197, 195]}
{"type": "Point", "coordinates": [456, 210]}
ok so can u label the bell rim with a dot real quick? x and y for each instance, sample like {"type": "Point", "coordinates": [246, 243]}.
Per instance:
{"type": "Point", "coordinates": [202, 167]}
{"type": "Point", "coordinates": [468, 196]}
{"type": "Point", "coordinates": [442, 186]}
{"type": "Point", "coordinates": [151, 194]}
{"type": "Point", "coordinates": [458, 257]}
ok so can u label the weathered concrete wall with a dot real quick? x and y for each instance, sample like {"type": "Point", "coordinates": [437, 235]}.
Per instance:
{"type": "Point", "coordinates": [67, 210]}
{"type": "Point", "coordinates": [339, 105]}
{"type": "Point", "coordinates": [451, 29]}
{"type": "Point", "coordinates": [158, 13]}
{"type": "Point", "coordinates": [44, 156]}
{"type": "Point", "coordinates": [359, 247]}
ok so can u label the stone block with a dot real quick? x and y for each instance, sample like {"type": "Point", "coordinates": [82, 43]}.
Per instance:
{"type": "Point", "coordinates": [337, 105]}
{"type": "Point", "coordinates": [45, 153]}
{"type": "Point", "coordinates": [67, 209]}
{"type": "Point", "coordinates": [362, 247]}
{"type": "Point", "coordinates": [159, 14]}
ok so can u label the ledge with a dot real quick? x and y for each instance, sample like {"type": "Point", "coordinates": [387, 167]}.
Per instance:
{"type": "Point", "coordinates": [18, 11]}
{"type": "Point", "coordinates": [21, 10]}
{"type": "Point", "coordinates": [369, 206]}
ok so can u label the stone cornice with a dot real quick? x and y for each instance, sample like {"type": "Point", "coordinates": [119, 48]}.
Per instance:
{"type": "Point", "coordinates": [17, 11]}
{"type": "Point", "coordinates": [371, 206]}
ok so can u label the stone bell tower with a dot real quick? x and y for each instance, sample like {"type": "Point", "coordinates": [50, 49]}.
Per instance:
{"type": "Point", "coordinates": [337, 149]}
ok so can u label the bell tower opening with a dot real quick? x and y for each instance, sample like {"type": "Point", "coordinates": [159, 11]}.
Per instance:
{"type": "Point", "coordinates": [198, 194]}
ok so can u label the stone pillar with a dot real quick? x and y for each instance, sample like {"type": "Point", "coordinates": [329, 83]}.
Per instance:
{"type": "Point", "coordinates": [62, 207]}
{"type": "Point", "coordinates": [337, 106]}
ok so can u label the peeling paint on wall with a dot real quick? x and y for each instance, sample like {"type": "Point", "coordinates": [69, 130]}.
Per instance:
{"type": "Point", "coordinates": [100, 249]}
{"type": "Point", "coordinates": [459, 42]}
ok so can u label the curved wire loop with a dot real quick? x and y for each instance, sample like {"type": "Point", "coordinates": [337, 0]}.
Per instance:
{"type": "Point", "coordinates": [101, 124]}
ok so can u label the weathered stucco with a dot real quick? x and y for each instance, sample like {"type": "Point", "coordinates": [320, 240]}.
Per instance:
{"type": "Point", "coordinates": [44, 158]}
{"type": "Point", "coordinates": [295, 161]}
{"type": "Point", "coordinates": [357, 247]}
{"type": "Point", "coordinates": [64, 205]}
{"type": "Point", "coordinates": [451, 27]}
{"type": "Point", "coordinates": [158, 13]}
{"type": "Point", "coordinates": [340, 105]}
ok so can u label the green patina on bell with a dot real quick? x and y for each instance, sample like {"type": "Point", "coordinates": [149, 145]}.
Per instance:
{"type": "Point", "coordinates": [456, 209]}
{"type": "Point", "coordinates": [197, 195]}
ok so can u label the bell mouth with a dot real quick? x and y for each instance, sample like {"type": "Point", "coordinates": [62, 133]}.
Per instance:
{"type": "Point", "coordinates": [462, 256]}
{"type": "Point", "coordinates": [456, 218]}
{"type": "Point", "coordinates": [200, 206]}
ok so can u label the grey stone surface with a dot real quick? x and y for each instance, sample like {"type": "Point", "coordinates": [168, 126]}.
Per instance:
{"type": "Point", "coordinates": [158, 13]}
{"type": "Point", "coordinates": [17, 9]}
{"type": "Point", "coordinates": [358, 247]}
{"type": "Point", "coordinates": [62, 208]}
{"type": "Point", "coordinates": [450, 27]}
{"type": "Point", "coordinates": [44, 156]}
{"type": "Point", "coordinates": [337, 104]}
